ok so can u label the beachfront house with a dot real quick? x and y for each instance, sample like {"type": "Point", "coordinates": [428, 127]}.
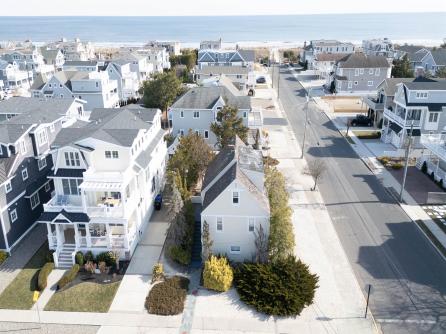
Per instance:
{"type": "Point", "coordinates": [95, 88]}
{"type": "Point", "coordinates": [359, 74]}
{"type": "Point", "coordinates": [13, 77]}
{"type": "Point", "coordinates": [128, 83]}
{"type": "Point", "coordinates": [197, 109]}
{"type": "Point", "coordinates": [234, 201]}
{"type": "Point", "coordinates": [211, 45]}
{"type": "Point", "coordinates": [420, 103]}
{"type": "Point", "coordinates": [173, 48]}
{"type": "Point", "coordinates": [243, 58]}
{"type": "Point", "coordinates": [379, 47]}
{"type": "Point", "coordinates": [74, 50]}
{"type": "Point", "coordinates": [316, 47]}
{"type": "Point", "coordinates": [242, 77]}
{"type": "Point", "coordinates": [107, 173]}
{"type": "Point", "coordinates": [27, 129]}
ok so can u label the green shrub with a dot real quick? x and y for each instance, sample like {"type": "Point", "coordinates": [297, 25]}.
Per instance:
{"type": "Point", "coordinates": [49, 256]}
{"type": "Point", "coordinates": [107, 257]}
{"type": "Point", "coordinates": [282, 288]}
{"type": "Point", "coordinates": [79, 258]}
{"type": "Point", "coordinates": [167, 298]}
{"type": "Point", "coordinates": [180, 255]}
{"type": "Point", "coordinates": [217, 274]}
{"type": "Point", "coordinates": [44, 272]}
{"type": "Point", "coordinates": [397, 165]}
{"type": "Point", "coordinates": [88, 256]}
{"type": "Point", "coordinates": [3, 256]}
{"type": "Point", "coordinates": [384, 160]}
{"type": "Point", "coordinates": [157, 272]}
{"type": "Point", "coordinates": [424, 167]}
{"type": "Point", "coordinates": [68, 277]}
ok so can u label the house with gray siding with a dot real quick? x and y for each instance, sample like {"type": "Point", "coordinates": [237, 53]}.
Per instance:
{"type": "Point", "coordinates": [421, 104]}
{"type": "Point", "coordinates": [217, 57]}
{"type": "Point", "coordinates": [360, 74]}
{"type": "Point", "coordinates": [25, 163]}
{"type": "Point", "coordinates": [235, 205]}
{"type": "Point", "coordinates": [197, 109]}
{"type": "Point", "coordinates": [316, 47]}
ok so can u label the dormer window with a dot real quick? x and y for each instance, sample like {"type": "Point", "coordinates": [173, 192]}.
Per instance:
{"type": "Point", "coordinates": [72, 159]}
{"type": "Point", "coordinates": [422, 95]}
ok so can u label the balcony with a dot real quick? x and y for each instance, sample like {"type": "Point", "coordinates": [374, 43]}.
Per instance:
{"type": "Point", "coordinates": [436, 143]}
{"type": "Point", "coordinates": [398, 118]}
{"type": "Point", "coordinates": [373, 103]}
{"type": "Point", "coordinates": [255, 119]}
{"type": "Point", "coordinates": [64, 202]}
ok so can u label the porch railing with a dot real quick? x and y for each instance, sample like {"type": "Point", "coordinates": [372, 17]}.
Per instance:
{"type": "Point", "coordinates": [99, 241]}
{"type": "Point", "coordinates": [52, 240]}
{"type": "Point", "coordinates": [394, 117]}
{"type": "Point", "coordinates": [105, 211]}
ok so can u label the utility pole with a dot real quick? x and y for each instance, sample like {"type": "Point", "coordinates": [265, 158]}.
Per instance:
{"type": "Point", "coordinates": [278, 84]}
{"type": "Point", "coordinates": [272, 79]}
{"type": "Point", "coordinates": [408, 147]}
{"type": "Point", "coordinates": [305, 126]}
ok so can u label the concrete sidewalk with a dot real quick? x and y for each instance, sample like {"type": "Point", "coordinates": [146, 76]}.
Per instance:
{"type": "Point", "coordinates": [410, 206]}
{"type": "Point", "coordinates": [50, 290]}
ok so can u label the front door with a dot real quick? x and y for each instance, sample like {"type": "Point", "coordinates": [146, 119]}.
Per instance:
{"type": "Point", "coordinates": [69, 235]}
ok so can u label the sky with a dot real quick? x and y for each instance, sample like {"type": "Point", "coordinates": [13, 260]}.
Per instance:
{"type": "Point", "coordinates": [213, 7]}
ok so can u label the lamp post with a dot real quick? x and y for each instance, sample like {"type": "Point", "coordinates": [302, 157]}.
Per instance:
{"type": "Point", "coordinates": [305, 125]}
{"type": "Point", "coordinates": [408, 147]}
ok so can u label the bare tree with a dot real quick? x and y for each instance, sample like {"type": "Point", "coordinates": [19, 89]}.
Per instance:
{"type": "Point", "coordinates": [261, 243]}
{"type": "Point", "coordinates": [206, 241]}
{"type": "Point", "coordinates": [316, 168]}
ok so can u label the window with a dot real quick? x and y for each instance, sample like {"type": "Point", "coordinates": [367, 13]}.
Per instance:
{"type": "Point", "coordinates": [115, 154]}
{"type": "Point", "coordinates": [181, 132]}
{"type": "Point", "coordinates": [153, 184]}
{"type": "Point", "coordinates": [61, 96]}
{"type": "Point", "coordinates": [350, 84]}
{"type": "Point", "coordinates": [422, 95]}
{"type": "Point", "coordinates": [197, 132]}
{"type": "Point", "coordinates": [52, 128]}
{"type": "Point", "coordinates": [47, 187]}
{"type": "Point", "coordinates": [72, 159]}
{"type": "Point", "coordinates": [371, 71]}
{"type": "Point", "coordinates": [251, 224]}
{"type": "Point", "coordinates": [41, 163]}
{"type": "Point", "coordinates": [235, 197]}
{"type": "Point", "coordinates": [22, 146]}
{"type": "Point", "coordinates": [97, 84]}
{"type": "Point", "coordinates": [369, 83]}
{"type": "Point", "coordinates": [235, 249]}
{"type": "Point", "coordinates": [361, 71]}
{"type": "Point", "coordinates": [245, 114]}
{"type": "Point", "coordinates": [206, 134]}
{"type": "Point", "coordinates": [71, 186]}
{"type": "Point", "coordinates": [35, 200]}
{"type": "Point", "coordinates": [219, 224]}
{"type": "Point", "coordinates": [196, 114]}
{"type": "Point", "coordinates": [13, 215]}
{"type": "Point", "coordinates": [181, 114]}
{"type": "Point", "coordinates": [8, 186]}
{"type": "Point", "coordinates": [377, 71]}
{"type": "Point", "coordinates": [356, 72]}
{"type": "Point", "coordinates": [433, 117]}
{"type": "Point", "coordinates": [24, 174]}
{"type": "Point", "coordinates": [42, 137]}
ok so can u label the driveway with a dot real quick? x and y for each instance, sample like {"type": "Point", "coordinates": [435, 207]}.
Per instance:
{"type": "Point", "coordinates": [136, 284]}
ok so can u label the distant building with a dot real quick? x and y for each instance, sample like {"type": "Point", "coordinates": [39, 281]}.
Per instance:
{"type": "Point", "coordinates": [245, 58]}
{"type": "Point", "coordinates": [211, 45]}
{"type": "Point", "coordinates": [29, 60]}
{"type": "Point", "coordinates": [74, 50]}
{"type": "Point", "coordinates": [12, 77]}
{"type": "Point", "coordinates": [360, 74]}
{"type": "Point", "coordinates": [53, 57]}
{"type": "Point", "coordinates": [172, 47]}
{"type": "Point", "coordinates": [324, 46]}
{"type": "Point", "coordinates": [241, 76]}
{"type": "Point", "coordinates": [428, 61]}
{"type": "Point", "coordinates": [379, 47]}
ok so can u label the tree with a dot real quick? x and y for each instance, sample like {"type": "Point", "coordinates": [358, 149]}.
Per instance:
{"type": "Point", "coordinates": [261, 243]}
{"type": "Point", "coordinates": [316, 168]}
{"type": "Point", "coordinates": [217, 274]}
{"type": "Point", "coordinates": [161, 91]}
{"type": "Point", "coordinates": [228, 126]}
{"type": "Point", "coordinates": [206, 241]}
{"type": "Point", "coordinates": [191, 158]}
{"type": "Point", "coordinates": [441, 72]}
{"type": "Point", "coordinates": [281, 236]}
{"type": "Point", "coordinates": [188, 58]}
{"type": "Point", "coordinates": [402, 68]}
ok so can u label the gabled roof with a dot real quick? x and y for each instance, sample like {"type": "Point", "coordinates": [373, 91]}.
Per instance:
{"type": "Point", "coordinates": [74, 217]}
{"type": "Point", "coordinates": [330, 56]}
{"type": "Point", "coordinates": [206, 97]}
{"type": "Point", "coordinates": [77, 63]}
{"type": "Point", "coordinates": [439, 56]}
{"type": "Point", "coordinates": [390, 84]}
{"type": "Point", "coordinates": [39, 82]}
{"type": "Point", "coordinates": [418, 55]}
{"type": "Point", "coordinates": [360, 60]}
{"type": "Point", "coordinates": [49, 54]}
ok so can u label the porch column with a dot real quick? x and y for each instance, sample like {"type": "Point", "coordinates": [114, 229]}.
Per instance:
{"type": "Point", "coordinates": [84, 200]}
{"type": "Point", "coordinates": [58, 235]}
{"type": "Point", "coordinates": [124, 201]}
{"type": "Point", "coordinates": [438, 165]}
{"type": "Point", "coordinates": [109, 240]}
{"type": "Point", "coordinates": [76, 236]}
{"type": "Point", "coordinates": [50, 235]}
{"type": "Point", "coordinates": [88, 235]}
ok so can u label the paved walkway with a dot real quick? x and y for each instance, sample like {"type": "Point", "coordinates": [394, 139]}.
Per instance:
{"type": "Point", "coordinates": [136, 284]}
{"type": "Point", "coordinates": [410, 206]}
{"type": "Point", "coordinates": [21, 255]}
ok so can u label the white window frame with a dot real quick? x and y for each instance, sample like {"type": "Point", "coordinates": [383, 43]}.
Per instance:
{"type": "Point", "coordinates": [42, 137]}
{"type": "Point", "coordinates": [219, 222]}
{"type": "Point", "coordinates": [196, 114]}
{"type": "Point", "coordinates": [245, 114]}
{"type": "Point", "coordinates": [41, 163]}
{"type": "Point", "coordinates": [350, 85]}
{"type": "Point", "coordinates": [361, 71]}
{"type": "Point", "coordinates": [371, 71]}
{"type": "Point", "coordinates": [35, 200]}
{"type": "Point", "coordinates": [235, 195]}
{"type": "Point", "coordinates": [235, 251]}
{"type": "Point", "coordinates": [181, 114]}
{"type": "Point", "coordinates": [433, 117]}
{"type": "Point", "coordinates": [422, 95]}
{"type": "Point", "coordinates": [8, 186]}
{"type": "Point", "coordinates": [115, 154]}
{"type": "Point", "coordinates": [370, 83]}
{"type": "Point", "coordinates": [25, 174]}
{"type": "Point", "coordinates": [206, 134]}
{"type": "Point", "coordinates": [377, 71]}
{"type": "Point", "coordinates": [13, 215]}
{"type": "Point", "coordinates": [356, 72]}
{"type": "Point", "coordinates": [251, 223]}
{"type": "Point", "coordinates": [47, 187]}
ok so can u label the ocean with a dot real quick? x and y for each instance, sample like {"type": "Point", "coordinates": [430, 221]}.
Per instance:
{"type": "Point", "coordinates": [425, 28]}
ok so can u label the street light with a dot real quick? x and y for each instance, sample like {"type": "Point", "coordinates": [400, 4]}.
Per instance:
{"type": "Point", "coordinates": [408, 147]}
{"type": "Point", "coordinates": [305, 125]}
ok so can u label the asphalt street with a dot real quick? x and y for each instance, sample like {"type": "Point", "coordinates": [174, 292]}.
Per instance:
{"type": "Point", "coordinates": [385, 248]}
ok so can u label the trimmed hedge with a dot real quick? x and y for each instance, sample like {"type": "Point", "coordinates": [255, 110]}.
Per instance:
{"type": "Point", "coordinates": [88, 256]}
{"type": "Point", "coordinates": [168, 297]}
{"type": "Point", "coordinates": [79, 258]}
{"type": "Point", "coordinates": [3, 256]}
{"type": "Point", "coordinates": [44, 272]}
{"type": "Point", "coordinates": [68, 277]}
{"type": "Point", "coordinates": [179, 254]}
{"type": "Point", "coordinates": [217, 274]}
{"type": "Point", "coordinates": [282, 288]}
{"type": "Point", "coordinates": [106, 257]}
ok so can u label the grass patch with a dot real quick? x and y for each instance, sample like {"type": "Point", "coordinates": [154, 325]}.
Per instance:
{"type": "Point", "coordinates": [18, 295]}
{"type": "Point", "coordinates": [84, 297]}
{"type": "Point", "coordinates": [367, 134]}
{"type": "Point", "coordinates": [432, 237]}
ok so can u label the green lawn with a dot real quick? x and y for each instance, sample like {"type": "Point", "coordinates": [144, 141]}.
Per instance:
{"type": "Point", "coordinates": [84, 297]}
{"type": "Point", "coordinates": [18, 295]}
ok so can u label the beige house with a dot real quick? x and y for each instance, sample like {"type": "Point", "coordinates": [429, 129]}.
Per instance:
{"type": "Point", "coordinates": [234, 201]}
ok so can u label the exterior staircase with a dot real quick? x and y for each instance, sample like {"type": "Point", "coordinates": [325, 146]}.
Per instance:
{"type": "Point", "coordinates": [196, 247]}
{"type": "Point", "coordinates": [65, 260]}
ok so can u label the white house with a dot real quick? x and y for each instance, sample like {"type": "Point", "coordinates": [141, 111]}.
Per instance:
{"type": "Point", "coordinates": [316, 47]}
{"type": "Point", "coordinates": [81, 65]}
{"type": "Point", "coordinates": [13, 77]}
{"type": "Point", "coordinates": [244, 78]}
{"type": "Point", "coordinates": [74, 50]}
{"type": "Point", "coordinates": [158, 57]}
{"type": "Point", "coordinates": [128, 83]}
{"type": "Point", "coordinates": [106, 175]}
{"type": "Point", "coordinates": [29, 60]}
{"type": "Point", "coordinates": [95, 88]}
{"type": "Point", "coordinates": [245, 58]}
{"type": "Point", "coordinates": [234, 201]}
{"type": "Point", "coordinates": [139, 64]}
{"type": "Point", "coordinates": [53, 57]}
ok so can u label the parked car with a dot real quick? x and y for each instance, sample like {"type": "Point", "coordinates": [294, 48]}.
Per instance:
{"type": "Point", "coordinates": [361, 120]}
{"type": "Point", "coordinates": [261, 80]}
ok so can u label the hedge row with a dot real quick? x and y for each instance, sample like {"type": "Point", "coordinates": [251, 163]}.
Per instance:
{"type": "Point", "coordinates": [168, 297]}
{"type": "Point", "coordinates": [69, 276]}
{"type": "Point", "coordinates": [44, 272]}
